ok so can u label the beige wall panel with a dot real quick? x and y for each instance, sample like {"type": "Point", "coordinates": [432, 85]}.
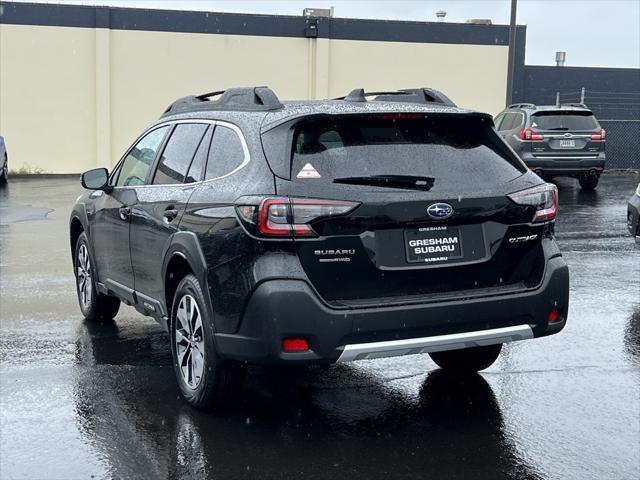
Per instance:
{"type": "Point", "coordinates": [74, 98]}
{"type": "Point", "coordinates": [151, 69]}
{"type": "Point", "coordinates": [47, 97]}
{"type": "Point", "coordinates": [473, 76]}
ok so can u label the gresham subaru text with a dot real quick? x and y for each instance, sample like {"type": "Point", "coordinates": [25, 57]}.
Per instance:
{"type": "Point", "coordinates": [313, 232]}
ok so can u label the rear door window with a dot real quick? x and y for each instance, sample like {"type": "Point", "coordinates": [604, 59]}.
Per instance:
{"type": "Point", "coordinates": [439, 146]}
{"type": "Point", "coordinates": [564, 121]}
{"type": "Point", "coordinates": [178, 153]}
{"type": "Point", "coordinates": [226, 153]}
{"type": "Point", "coordinates": [518, 121]}
{"type": "Point", "coordinates": [196, 170]}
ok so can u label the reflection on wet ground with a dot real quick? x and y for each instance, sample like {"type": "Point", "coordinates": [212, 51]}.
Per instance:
{"type": "Point", "coordinates": [81, 400]}
{"type": "Point", "coordinates": [339, 422]}
{"type": "Point", "coordinates": [632, 335]}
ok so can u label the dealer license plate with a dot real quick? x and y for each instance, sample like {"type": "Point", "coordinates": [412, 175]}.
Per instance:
{"type": "Point", "coordinates": [432, 244]}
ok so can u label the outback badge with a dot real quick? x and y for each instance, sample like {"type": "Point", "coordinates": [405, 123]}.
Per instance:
{"type": "Point", "coordinates": [440, 211]}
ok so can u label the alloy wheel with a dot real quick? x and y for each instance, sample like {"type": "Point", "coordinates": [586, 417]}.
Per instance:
{"type": "Point", "coordinates": [85, 285]}
{"type": "Point", "coordinates": [189, 339]}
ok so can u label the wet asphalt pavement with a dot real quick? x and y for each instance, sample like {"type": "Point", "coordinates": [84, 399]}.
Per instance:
{"type": "Point", "coordinates": [100, 401]}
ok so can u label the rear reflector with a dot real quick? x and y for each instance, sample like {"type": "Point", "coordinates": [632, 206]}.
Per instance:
{"type": "Point", "coordinates": [553, 316]}
{"type": "Point", "coordinates": [543, 197]}
{"type": "Point", "coordinates": [295, 345]}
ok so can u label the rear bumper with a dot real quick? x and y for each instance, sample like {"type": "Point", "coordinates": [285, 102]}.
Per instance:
{"type": "Point", "coordinates": [436, 343]}
{"type": "Point", "coordinates": [567, 165]}
{"type": "Point", "coordinates": [281, 309]}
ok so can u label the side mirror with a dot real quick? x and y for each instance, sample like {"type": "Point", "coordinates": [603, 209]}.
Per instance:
{"type": "Point", "coordinates": [96, 179]}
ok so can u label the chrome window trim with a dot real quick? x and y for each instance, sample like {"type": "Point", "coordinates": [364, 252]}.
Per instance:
{"type": "Point", "coordinates": [168, 123]}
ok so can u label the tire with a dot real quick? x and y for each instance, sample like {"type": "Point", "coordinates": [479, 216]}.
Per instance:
{"type": "Point", "coordinates": [206, 381]}
{"type": "Point", "coordinates": [95, 306]}
{"type": "Point", "coordinates": [588, 182]}
{"type": "Point", "coordinates": [468, 360]}
{"type": "Point", "coordinates": [4, 178]}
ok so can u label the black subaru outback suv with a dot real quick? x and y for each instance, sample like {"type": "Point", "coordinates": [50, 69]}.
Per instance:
{"type": "Point", "coordinates": [554, 141]}
{"type": "Point", "coordinates": [314, 232]}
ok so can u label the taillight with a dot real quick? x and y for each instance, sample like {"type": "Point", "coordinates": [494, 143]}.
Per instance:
{"type": "Point", "coordinates": [287, 217]}
{"type": "Point", "coordinates": [599, 136]}
{"type": "Point", "coordinates": [530, 135]}
{"type": "Point", "coordinates": [543, 197]}
{"type": "Point", "coordinates": [306, 210]}
{"type": "Point", "coordinates": [273, 217]}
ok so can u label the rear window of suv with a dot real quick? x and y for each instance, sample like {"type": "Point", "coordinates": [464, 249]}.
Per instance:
{"type": "Point", "coordinates": [564, 121]}
{"type": "Point", "coordinates": [439, 146]}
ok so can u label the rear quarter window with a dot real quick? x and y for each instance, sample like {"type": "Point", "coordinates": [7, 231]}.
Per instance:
{"type": "Point", "coordinates": [226, 153]}
{"type": "Point", "coordinates": [511, 121]}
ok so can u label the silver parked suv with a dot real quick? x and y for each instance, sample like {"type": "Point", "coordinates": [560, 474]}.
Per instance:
{"type": "Point", "coordinates": [554, 141]}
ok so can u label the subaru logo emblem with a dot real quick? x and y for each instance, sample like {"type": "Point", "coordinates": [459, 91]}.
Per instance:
{"type": "Point", "coordinates": [440, 211]}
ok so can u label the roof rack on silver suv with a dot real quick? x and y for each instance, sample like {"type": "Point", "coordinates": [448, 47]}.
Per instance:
{"type": "Point", "coordinates": [258, 99]}
{"type": "Point", "coordinates": [409, 95]}
{"type": "Point", "coordinates": [522, 105]}
{"type": "Point", "coordinates": [578, 105]}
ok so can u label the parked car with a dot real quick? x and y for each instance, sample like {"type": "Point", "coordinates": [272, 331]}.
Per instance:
{"type": "Point", "coordinates": [4, 162]}
{"type": "Point", "coordinates": [315, 232]}
{"type": "Point", "coordinates": [633, 215]}
{"type": "Point", "coordinates": [556, 141]}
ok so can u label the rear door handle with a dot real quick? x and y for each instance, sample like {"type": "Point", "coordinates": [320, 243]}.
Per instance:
{"type": "Point", "coordinates": [124, 212]}
{"type": "Point", "coordinates": [170, 213]}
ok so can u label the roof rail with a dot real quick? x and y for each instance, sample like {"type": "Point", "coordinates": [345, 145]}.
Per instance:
{"type": "Point", "coordinates": [409, 95]}
{"type": "Point", "coordinates": [258, 99]}
{"type": "Point", "coordinates": [579, 105]}
{"type": "Point", "coordinates": [359, 95]}
{"type": "Point", "coordinates": [417, 95]}
{"type": "Point", "coordinates": [521, 105]}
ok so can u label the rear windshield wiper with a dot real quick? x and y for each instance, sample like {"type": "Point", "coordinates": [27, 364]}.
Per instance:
{"type": "Point", "coordinates": [558, 128]}
{"type": "Point", "coordinates": [408, 182]}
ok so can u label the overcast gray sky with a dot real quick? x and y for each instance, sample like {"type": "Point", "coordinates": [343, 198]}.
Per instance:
{"type": "Point", "coordinates": [599, 33]}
